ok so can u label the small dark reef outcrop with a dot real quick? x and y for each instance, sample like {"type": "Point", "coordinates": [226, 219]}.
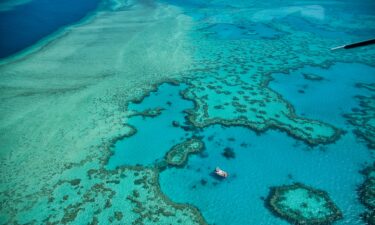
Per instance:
{"type": "Point", "coordinates": [228, 153]}
{"type": "Point", "coordinates": [312, 77]}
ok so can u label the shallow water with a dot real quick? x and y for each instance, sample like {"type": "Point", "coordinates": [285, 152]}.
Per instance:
{"type": "Point", "coordinates": [87, 118]}
{"type": "Point", "coordinates": [260, 161]}
{"type": "Point", "coordinates": [327, 99]}
{"type": "Point", "coordinates": [146, 147]}
{"type": "Point", "coordinates": [270, 159]}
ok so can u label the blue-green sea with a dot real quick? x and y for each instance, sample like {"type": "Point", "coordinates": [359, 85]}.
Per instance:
{"type": "Point", "coordinates": [119, 112]}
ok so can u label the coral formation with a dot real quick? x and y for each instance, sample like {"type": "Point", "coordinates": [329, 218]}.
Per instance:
{"type": "Point", "coordinates": [53, 161]}
{"type": "Point", "coordinates": [363, 119]}
{"type": "Point", "coordinates": [235, 101]}
{"type": "Point", "coordinates": [312, 77]}
{"type": "Point", "coordinates": [178, 154]}
{"type": "Point", "coordinates": [229, 153]}
{"type": "Point", "coordinates": [366, 193]}
{"type": "Point", "coordinates": [149, 112]}
{"type": "Point", "coordinates": [301, 204]}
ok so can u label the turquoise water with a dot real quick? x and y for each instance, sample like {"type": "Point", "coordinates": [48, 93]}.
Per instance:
{"type": "Point", "coordinates": [88, 118]}
{"type": "Point", "coordinates": [261, 161]}
{"type": "Point", "coordinates": [338, 88]}
{"type": "Point", "coordinates": [243, 31]}
{"type": "Point", "coordinates": [271, 158]}
{"type": "Point", "coordinates": [268, 160]}
{"type": "Point", "coordinates": [154, 136]}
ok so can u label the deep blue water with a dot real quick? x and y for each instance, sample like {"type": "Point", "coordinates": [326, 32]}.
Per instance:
{"type": "Point", "coordinates": [26, 24]}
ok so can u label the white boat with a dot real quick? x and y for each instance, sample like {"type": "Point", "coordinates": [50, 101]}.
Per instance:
{"type": "Point", "coordinates": [221, 172]}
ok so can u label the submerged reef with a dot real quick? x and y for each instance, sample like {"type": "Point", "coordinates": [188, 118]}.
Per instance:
{"type": "Point", "coordinates": [366, 194]}
{"type": "Point", "coordinates": [149, 112]}
{"type": "Point", "coordinates": [229, 85]}
{"type": "Point", "coordinates": [159, 209]}
{"type": "Point", "coordinates": [98, 193]}
{"type": "Point", "coordinates": [235, 101]}
{"type": "Point", "coordinates": [301, 204]}
{"type": "Point", "coordinates": [53, 162]}
{"type": "Point", "coordinates": [228, 153]}
{"type": "Point", "coordinates": [370, 87]}
{"type": "Point", "coordinates": [177, 156]}
{"type": "Point", "coordinates": [312, 77]}
{"type": "Point", "coordinates": [363, 119]}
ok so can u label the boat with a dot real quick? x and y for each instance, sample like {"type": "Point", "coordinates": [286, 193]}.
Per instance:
{"type": "Point", "coordinates": [221, 172]}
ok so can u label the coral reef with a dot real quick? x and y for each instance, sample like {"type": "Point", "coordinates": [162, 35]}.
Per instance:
{"type": "Point", "coordinates": [52, 161]}
{"type": "Point", "coordinates": [301, 204]}
{"type": "Point", "coordinates": [73, 107]}
{"type": "Point", "coordinates": [312, 77]}
{"type": "Point", "coordinates": [366, 194]}
{"type": "Point", "coordinates": [229, 153]}
{"type": "Point", "coordinates": [370, 87]}
{"type": "Point", "coordinates": [235, 101]}
{"type": "Point", "coordinates": [178, 154]}
{"type": "Point", "coordinates": [363, 119]}
{"type": "Point", "coordinates": [149, 112]}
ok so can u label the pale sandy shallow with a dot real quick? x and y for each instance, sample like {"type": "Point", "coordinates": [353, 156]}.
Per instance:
{"type": "Point", "coordinates": [63, 93]}
{"type": "Point", "coordinates": [62, 105]}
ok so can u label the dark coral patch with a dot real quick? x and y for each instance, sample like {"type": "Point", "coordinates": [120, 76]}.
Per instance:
{"type": "Point", "coordinates": [312, 77]}
{"type": "Point", "coordinates": [228, 153]}
{"type": "Point", "coordinates": [366, 194]}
